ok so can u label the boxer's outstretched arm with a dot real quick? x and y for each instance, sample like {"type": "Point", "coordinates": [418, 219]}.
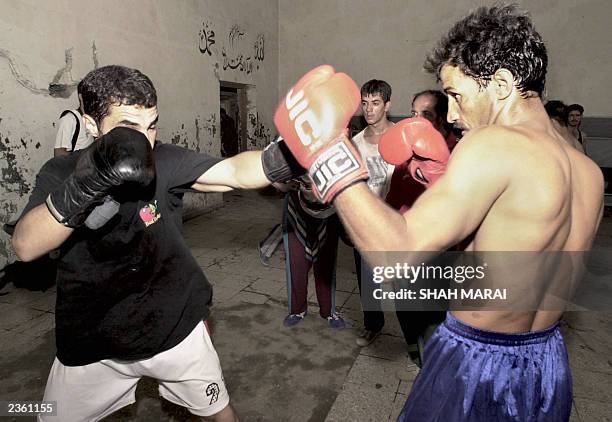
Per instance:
{"type": "Point", "coordinates": [37, 233]}
{"type": "Point", "coordinates": [449, 211]}
{"type": "Point", "coordinates": [242, 171]}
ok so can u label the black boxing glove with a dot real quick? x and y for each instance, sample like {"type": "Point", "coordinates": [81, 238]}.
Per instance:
{"type": "Point", "coordinates": [278, 163]}
{"type": "Point", "coordinates": [118, 164]}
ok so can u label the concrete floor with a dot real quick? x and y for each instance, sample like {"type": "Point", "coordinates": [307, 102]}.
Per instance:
{"type": "Point", "coordinates": [306, 373]}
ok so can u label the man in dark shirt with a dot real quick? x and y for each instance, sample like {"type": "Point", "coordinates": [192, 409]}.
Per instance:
{"type": "Point", "coordinates": [131, 299]}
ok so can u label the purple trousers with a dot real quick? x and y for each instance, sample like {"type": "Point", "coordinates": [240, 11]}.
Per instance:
{"type": "Point", "coordinates": [476, 375]}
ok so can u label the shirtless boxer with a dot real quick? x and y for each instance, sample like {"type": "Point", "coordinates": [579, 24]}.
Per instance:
{"type": "Point", "coordinates": [512, 184]}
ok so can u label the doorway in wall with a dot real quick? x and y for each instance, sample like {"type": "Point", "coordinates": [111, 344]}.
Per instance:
{"type": "Point", "coordinates": [237, 103]}
{"type": "Point", "coordinates": [229, 121]}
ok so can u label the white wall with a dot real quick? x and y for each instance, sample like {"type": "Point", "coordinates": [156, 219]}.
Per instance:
{"type": "Point", "coordinates": [162, 39]}
{"type": "Point", "coordinates": [388, 39]}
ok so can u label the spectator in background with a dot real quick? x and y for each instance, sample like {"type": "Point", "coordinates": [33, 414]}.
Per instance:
{"type": "Point", "coordinates": [574, 119]}
{"type": "Point", "coordinates": [557, 111]}
{"type": "Point", "coordinates": [71, 133]}
{"type": "Point", "coordinates": [404, 190]}
{"type": "Point", "coordinates": [375, 103]}
{"type": "Point", "coordinates": [310, 235]}
{"type": "Point", "coordinates": [432, 105]}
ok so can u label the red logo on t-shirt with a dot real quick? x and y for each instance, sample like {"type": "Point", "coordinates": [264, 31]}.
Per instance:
{"type": "Point", "coordinates": [149, 213]}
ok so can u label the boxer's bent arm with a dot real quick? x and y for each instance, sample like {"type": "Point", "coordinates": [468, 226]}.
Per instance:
{"type": "Point", "coordinates": [242, 171]}
{"type": "Point", "coordinates": [37, 233]}
{"type": "Point", "coordinates": [449, 211]}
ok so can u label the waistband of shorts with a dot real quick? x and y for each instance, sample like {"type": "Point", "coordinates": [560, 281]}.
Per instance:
{"type": "Point", "coordinates": [498, 338]}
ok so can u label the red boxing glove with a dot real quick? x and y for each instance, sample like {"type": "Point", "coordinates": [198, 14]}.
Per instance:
{"type": "Point", "coordinates": [312, 119]}
{"type": "Point", "coordinates": [416, 139]}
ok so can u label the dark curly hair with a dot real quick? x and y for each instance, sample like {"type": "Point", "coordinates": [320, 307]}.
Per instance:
{"type": "Point", "coordinates": [492, 38]}
{"type": "Point", "coordinates": [376, 86]}
{"type": "Point", "coordinates": [115, 85]}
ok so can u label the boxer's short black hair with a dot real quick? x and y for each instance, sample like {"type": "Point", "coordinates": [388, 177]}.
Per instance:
{"type": "Point", "coordinates": [376, 86]}
{"type": "Point", "coordinates": [491, 38]}
{"type": "Point", "coordinates": [115, 85]}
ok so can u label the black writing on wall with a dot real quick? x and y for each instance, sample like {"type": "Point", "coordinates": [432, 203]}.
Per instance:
{"type": "Point", "coordinates": [237, 53]}
{"type": "Point", "coordinates": [207, 39]}
{"type": "Point", "coordinates": [233, 58]}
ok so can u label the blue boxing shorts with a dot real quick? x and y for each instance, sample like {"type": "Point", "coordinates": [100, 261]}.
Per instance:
{"type": "Point", "coordinates": [476, 375]}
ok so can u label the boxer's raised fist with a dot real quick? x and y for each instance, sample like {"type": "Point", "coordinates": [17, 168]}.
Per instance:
{"type": "Point", "coordinates": [416, 139]}
{"type": "Point", "coordinates": [119, 164]}
{"type": "Point", "coordinates": [312, 119]}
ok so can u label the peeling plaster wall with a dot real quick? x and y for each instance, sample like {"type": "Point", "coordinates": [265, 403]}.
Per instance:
{"type": "Point", "coordinates": [185, 47]}
{"type": "Point", "coordinates": [389, 39]}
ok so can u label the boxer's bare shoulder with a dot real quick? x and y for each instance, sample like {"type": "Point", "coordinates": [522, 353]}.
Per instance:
{"type": "Point", "coordinates": [552, 200]}
{"type": "Point", "coordinates": [526, 191]}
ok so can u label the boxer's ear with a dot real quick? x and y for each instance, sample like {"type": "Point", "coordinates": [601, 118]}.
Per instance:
{"type": "Point", "coordinates": [503, 81]}
{"type": "Point", "coordinates": [91, 125]}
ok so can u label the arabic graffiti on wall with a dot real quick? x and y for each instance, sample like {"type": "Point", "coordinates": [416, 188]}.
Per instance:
{"type": "Point", "coordinates": [236, 54]}
{"type": "Point", "coordinates": [233, 58]}
{"type": "Point", "coordinates": [207, 39]}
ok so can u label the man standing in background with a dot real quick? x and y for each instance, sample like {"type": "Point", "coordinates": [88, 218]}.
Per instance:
{"type": "Point", "coordinates": [375, 103]}
{"type": "Point", "coordinates": [71, 133]}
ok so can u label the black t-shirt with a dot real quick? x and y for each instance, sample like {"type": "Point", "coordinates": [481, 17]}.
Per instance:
{"type": "Point", "coordinates": [130, 289]}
